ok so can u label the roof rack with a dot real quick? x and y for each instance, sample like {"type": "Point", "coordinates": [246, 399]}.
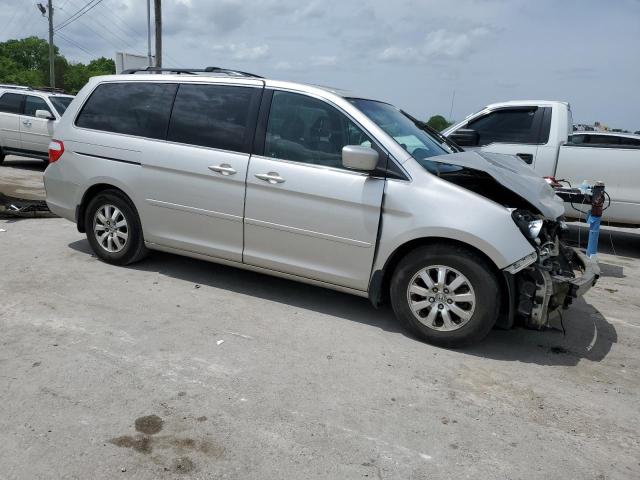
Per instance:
{"type": "Point", "coordinates": [32, 89]}
{"type": "Point", "coordinates": [191, 71]}
{"type": "Point", "coordinates": [15, 87]}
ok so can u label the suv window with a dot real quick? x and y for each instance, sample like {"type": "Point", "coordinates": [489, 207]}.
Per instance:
{"type": "Point", "coordinates": [135, 108]}
{"type": "Point", "coordinates": [307, 130]}
{"type": "Point", "coordinates": [512, 125]}
{"type": "Point", "coordinates": [11, 103]}
{"type": "Point", "coordinates": [216, 116]}
{"type": "Point", "coordinates": [32, 103]}
{"type": "Point", "coordinates": [60, 103]}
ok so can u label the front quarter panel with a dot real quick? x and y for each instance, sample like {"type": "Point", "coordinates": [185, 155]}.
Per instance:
{"type": "Point", "coordinates": [429, 207]}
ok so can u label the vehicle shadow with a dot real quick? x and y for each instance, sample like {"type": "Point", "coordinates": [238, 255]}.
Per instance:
{"type": "Point", "coordinates": [588, 335]}
{"type": "Point", "coordinates": [583, 332]}
{"type": "Point", "coordinates": [24, 163]}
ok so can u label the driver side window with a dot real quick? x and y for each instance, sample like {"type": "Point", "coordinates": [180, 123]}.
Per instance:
{"type": "Point", "coordinates": [307, 130]}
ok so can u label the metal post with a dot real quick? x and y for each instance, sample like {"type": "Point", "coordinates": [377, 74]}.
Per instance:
{"type": "Point", "coordinates": [595, 215]}
{"type": "Point", "coordinates": [52, 73]}
{"type": "Point", "coordinates": [149, 58]}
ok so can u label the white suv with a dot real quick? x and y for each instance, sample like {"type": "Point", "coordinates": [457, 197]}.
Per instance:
{"type": "Point", "coordinates": [27, 120]}
{"type": "Point", "coordinates": [315, 185]}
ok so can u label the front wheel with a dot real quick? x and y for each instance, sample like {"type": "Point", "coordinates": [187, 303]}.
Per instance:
{"type": "Point", "coordinates": [113, 228]}
{"type": "Point", "coordinates": [448, 296]}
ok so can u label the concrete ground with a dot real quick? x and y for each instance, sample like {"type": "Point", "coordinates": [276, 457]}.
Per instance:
{"type": "Point", "coordinates": [178, 368]}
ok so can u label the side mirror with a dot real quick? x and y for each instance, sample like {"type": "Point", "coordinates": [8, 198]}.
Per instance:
{"type": "Point", "coordinates": [44, 114]}
{"type": "Point", "coordinates": [356, 157]}
{"type": "Point", "coordinates": [465, 137]}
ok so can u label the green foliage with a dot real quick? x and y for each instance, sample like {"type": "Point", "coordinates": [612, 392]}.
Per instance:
{"type": "Point", "coordinates": [439, 122]}
{"type": "Point", "coordinates": [26, 62]}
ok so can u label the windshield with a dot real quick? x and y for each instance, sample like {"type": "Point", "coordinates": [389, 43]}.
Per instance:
{"type": "Point", "coordinates": [403, 129]}
{"type": "Point", "coordinates": [60, 103]}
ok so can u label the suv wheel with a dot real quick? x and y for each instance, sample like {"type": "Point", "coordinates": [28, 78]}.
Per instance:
{"type": "Point", "coordinates": [113, 229]}
{"type": "Point", "coordinates": [448, 296]}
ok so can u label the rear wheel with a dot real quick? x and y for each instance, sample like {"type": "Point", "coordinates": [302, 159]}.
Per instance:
{"type": "Point", "coordinates": [449, 296]}
{"type": "Point", "coordinates": [113, 228]}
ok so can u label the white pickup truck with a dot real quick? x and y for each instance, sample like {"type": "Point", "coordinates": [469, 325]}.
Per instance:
{"type": "Point", "coordinates": [541, 134]}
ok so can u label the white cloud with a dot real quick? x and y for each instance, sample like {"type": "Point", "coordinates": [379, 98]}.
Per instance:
{"type": "Point", "coordinates": [439, 44]}
{"type": "Point", "coordinates": [324, 61]}
{"type": "Point", "coordinates": [242, 51]}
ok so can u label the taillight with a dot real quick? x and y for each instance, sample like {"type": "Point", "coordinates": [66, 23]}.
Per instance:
{"type": "Point", "coordinates": [56, 149]}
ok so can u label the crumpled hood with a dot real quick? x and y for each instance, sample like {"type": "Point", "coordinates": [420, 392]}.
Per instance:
{"type": "Point", "coordinates": [512, 173]}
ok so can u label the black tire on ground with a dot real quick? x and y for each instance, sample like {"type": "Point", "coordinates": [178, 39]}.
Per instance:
{"type": "Point", "coordinates": [1, 157]}
{"type": "Point", "coordinates": [479, 272]}
{"type": "Point", "coordinates": [134, 248]}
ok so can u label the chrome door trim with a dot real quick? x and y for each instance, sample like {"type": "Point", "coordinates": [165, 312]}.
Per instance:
{"type": "Point", "coordinates": [197, 211]}
{"type": "Point", "coordinates": [308, 233]}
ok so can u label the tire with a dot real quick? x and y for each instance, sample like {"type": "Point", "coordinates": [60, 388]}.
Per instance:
{"type": "Point", "coordinates": [127, 242]}
{"type": "Point", "coordinates": [470, 308]}
{"type": "Point", "coordinates": [1, 157]}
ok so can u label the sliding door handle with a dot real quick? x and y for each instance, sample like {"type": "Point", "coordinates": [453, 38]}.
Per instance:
{"type": "Point", "coordinates": [224, 169]}
{"type": "Point", "coordinates": [271, 177]}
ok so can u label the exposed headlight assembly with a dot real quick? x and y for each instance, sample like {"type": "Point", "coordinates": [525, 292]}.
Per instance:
{"type": "Point", "coordinates": [527, 223]}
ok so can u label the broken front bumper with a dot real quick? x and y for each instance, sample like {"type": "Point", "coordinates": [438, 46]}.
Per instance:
{"type": "Point", "coordinates": [590, 274]}
{"type": "Point", "coordinates": [543, 293]}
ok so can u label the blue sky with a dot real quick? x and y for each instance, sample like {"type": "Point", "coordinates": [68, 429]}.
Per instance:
{"type": "Point", "coordinates": [413, 53]}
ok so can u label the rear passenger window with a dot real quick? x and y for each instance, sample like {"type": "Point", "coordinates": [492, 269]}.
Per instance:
{"type": "Point", "coordinates": [11, 103]}
{"type": "Point", "coordinates": [31, 104]}
{"type": "Point", "coordinates": [135, 108]}
{"type": "Point", "coordinates": [513, 125]}
{"type": "Point", "coordinates": [215, 116]}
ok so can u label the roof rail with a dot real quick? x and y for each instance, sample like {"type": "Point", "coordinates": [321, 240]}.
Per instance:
{"type": "Point", "coordinates": [191, 71]}
{"type": "Point", "coordinates": [32, 89]}
{"type": "Point", "coordinates": [15, 87]}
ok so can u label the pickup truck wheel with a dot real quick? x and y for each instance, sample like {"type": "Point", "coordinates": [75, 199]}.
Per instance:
{"type": "Point", "coordinates": [448, 296]}
{"type": "Point", "coordinates": [113, 228]}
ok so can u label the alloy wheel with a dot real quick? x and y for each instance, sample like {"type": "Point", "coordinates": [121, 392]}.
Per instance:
{"type": "Point", "coordinates": [441, 298]}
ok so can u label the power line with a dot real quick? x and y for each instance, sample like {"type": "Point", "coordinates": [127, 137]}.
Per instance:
{"type": "Point", "coordinates": [87, 7]}
{"type": "Point", "coordinates": [77, 45]}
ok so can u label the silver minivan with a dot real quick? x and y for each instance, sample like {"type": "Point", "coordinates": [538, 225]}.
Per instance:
{"type": "Point", "coordinates": [316, 185]}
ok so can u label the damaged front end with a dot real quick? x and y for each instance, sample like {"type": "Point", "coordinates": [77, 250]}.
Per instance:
{"type": "Point", "coordinates": [556, 276]}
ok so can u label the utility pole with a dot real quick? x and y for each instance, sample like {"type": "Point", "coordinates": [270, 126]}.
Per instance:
{"type": "Point", "coordinates": [158, 18]}
{"type": "Point", "coordinates": [52, 73]}
{"type": "Point", "coordinates": [52, 56]}
{"type": "Point", "coordinates": [150, 59]}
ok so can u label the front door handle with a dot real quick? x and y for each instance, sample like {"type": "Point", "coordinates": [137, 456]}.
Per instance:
{"type": "Point", "coordinates": [224, 169]}
{"type": "Point", "coordinates": [26, 122]}
{"type": "Point", "coordinates": [526, 157]}
{"type": "Point", "coordinates": [271, 177]}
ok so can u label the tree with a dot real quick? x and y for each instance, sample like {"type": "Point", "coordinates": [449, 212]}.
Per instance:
{"type": "Point", "coordinates": [438, 122]}
{"type": "Point", "coordinates": [26, 62]}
